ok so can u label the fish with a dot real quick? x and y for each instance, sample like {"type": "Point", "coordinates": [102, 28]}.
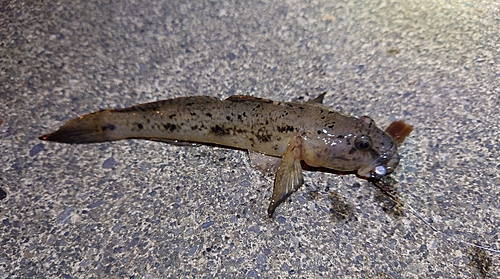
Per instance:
{"type": "Point", "coordinates": [293, 132]}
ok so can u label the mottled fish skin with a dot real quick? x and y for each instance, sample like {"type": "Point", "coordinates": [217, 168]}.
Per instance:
{"type": "Point", "coordinates": [296, 132]}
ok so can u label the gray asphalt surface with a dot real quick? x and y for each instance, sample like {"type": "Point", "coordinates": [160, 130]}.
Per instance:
{"type": "Point", "coordinates": [139, 209]}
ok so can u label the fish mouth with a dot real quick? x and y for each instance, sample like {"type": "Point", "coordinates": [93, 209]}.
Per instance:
{"type": "Point", "coordinates": [393, 163]}
{"type": "Point", "coordinates": [380, 167]}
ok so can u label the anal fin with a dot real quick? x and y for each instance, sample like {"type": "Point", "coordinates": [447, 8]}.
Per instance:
{"type": "Point", "coordinates": [289, 175]}
{"type": "Point", "coordinates": [263, 163]}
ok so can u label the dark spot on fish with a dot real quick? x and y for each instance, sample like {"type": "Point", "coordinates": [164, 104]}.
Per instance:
{"type": "Point", "coordinates": [239, 116]}
{"type": "Point", "coordinates": [301, 107]}
{"type": "Point", "coordinates": [267, 122]}
{"type": "Point", "coordinates": [140, 126]}
{"type": "Point", "coordinates": [319, 132]}
{"type": "Point", "coordinates": [330, 112]}
{"type": "Point", "coordinates": [341, 158]}
{"type": "Point", "coordinates": [148, 120]}
{"type": "Point", "coordinates": [331, 126]}
{"type": "Point", "coordinates": [374, 153]}
{"type": "Point", "coordinates": [219, 131]}
{"type": "Point", "coordinates": [284, 129]}
{"type": "Point", "coordinates": [190, 104]}
{"type": "Point", "coordinates": [340, 136]}
{"type": "Point", "coordinates": [209, 114]}
{"type": "Point", "coordinates": [193, 113]}
{"type": "Point", "coordinates": [352, 150]}
{"type": "Point", "coordinates": [239, 131]}
{"type": "Point", "coordinates": [194, 127]}
{"type": "Point", "coordinates": [228, 118]}
{"type": "Point", "coordinates": [322, 117]}
{"type": "Point", "coordinates": [244, 114]}
{"type": "Point", "coordinates": [169, 127]}
{"type": "Point", "coordinates": [171, 116]}
{"type": "Point", "coordinates": [263, 138]}
{"type": "Point", "coordinates": [110, 127]}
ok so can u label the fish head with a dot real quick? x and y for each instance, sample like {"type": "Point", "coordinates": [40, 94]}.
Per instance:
{"type": "Point", "coordinates": [360, 146]}
{"type": "Point", "coordinates": [381, 157]}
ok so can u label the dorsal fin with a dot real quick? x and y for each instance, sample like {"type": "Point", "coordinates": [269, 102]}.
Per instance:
{"type": "Point", "coordinates": [317, 100]}
{"type": "Point", "coordinates": [244, 98]}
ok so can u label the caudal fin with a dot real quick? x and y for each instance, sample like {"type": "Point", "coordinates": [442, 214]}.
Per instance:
{"type": "Point", "coordinates": [85, 129]}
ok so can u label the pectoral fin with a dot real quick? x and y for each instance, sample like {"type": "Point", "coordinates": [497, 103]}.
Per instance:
{"type": "Point", "coordinates": [289, 175]}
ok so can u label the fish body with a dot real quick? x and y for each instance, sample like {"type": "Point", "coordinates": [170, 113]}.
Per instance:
{"type": "Point", "coordinates": [294, 132]}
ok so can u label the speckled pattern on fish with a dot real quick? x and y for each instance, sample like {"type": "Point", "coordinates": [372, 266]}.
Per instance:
{"type": "Point", "coordinates": [296, 132]}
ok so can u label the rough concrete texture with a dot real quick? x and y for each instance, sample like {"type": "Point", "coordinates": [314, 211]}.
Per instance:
{"type": "Point", "coordinates": [139, 209]}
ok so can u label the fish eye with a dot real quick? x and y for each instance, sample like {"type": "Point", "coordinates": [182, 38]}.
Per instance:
{"type": "Point", "coordinates": [363, 142]}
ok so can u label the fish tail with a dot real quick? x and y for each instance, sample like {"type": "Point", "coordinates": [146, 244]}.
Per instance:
{"type": "Point", "coordinates": [85, 129]}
